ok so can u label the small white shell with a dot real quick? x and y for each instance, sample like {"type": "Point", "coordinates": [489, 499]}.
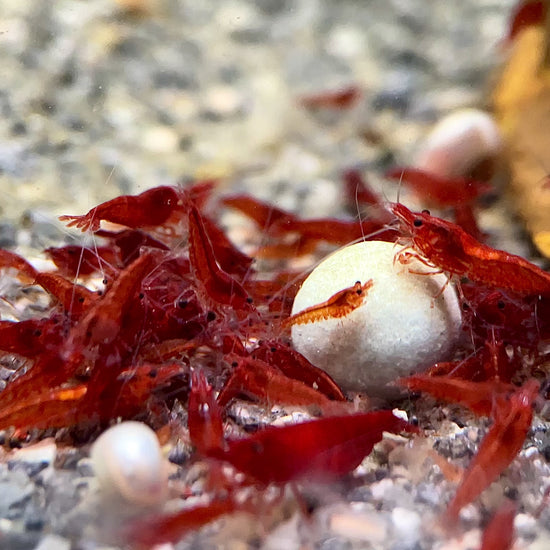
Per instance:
{"type": "Point", "coordinates": [128, 462]}
{"type": "Point", "coordinates": [460, 142]}
{"type": "Point", "coordinates": [407, 322]}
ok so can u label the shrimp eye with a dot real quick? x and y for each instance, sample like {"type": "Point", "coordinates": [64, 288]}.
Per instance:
{"type": "Point", "coordinates": [417, 222]}
{"type": "Point", "coordinates": [425, 211]}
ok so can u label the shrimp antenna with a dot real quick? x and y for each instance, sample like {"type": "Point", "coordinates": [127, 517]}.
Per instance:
{"type": "Point", "coordinates": [109, 177]}
{"type": "Point", "coordinates": [398, 198]}
{"type": "Point", "coordinates": [359, 212]}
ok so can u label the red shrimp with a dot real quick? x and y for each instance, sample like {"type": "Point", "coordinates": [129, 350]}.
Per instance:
{"type": "Point", "coordinates": [489, 363]}
{"type": "Point", "coordinates": [101, 324]}
{"type": "Point", "coordinates": [339, 232]}
{"type": "Point", "coordinates": [491, 313]}
{"type": "Point", "coordinates": [228, 256]}
{"type": "Point", "coordinates": [339, 305]}
{"type": "Point", "coordinates": [79, 261]}
{"type": "Point", "coordinates": [168, 349]}
{"type": "Point", "coordinates": [166, 528]}
{"type": "Point", "coordinates": [317, 450]}
{"type": "Point", "coordinates": [309, 233]}
{"type": "Point", "coordinates": [449, 248]}
{"type": "Point", "coordinates": [512, 420]}
{"type": "Point", "coordinates": [277, 222]}
{"type": "Point", "coordinates": [437, 190]}
{"type": "Point", "coordinates": [259, 380]}
{"type": "Point", "coordinates": [499, 533]}
{"type": "Point", "coordinates": [296, 366]}
{"type": "Point", "coordinates": [44, 408]}
{"type": "Point", "coordinates": [358, 191]}
{"type": "Point", "coordinates": [205, 416]}
{"type": "Point", "coordinates": [148, 209]}
{"type": "Point", "coordinates": [464, 216]}
{"type": "Point", "coordinates": [64, 406]}
{"type": "Point", "coordinates": [132, 391]}
{"type": "Point", "coordinates": [477, 396]}
{"type": "Point", "coordinates": [278, 294]}
{"type": "Point", "coordinates": [129, 243]}
{"type": "Point", "coordinates": [337, 99]}
{"type": "Point", "coordinates": [75, 299]}
{"type": "Point", "coordinates": [30, 337]}
{"type": "Point", "coordinates": [12, 260]}
{"type": "Point", "coordinates": [218, 285]}
{"type": "Point", "coordinates": [263, 214]}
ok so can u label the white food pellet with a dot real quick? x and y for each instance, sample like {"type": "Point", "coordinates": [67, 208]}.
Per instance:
{"type": "Point", "coordinates": [128, 462]}
{"type": "Point", "coordinates": [406, 323]}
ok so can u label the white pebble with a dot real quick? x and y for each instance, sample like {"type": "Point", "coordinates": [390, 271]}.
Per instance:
{"type": "Point", "coordinates": [160, 139]}
{"type": "Point", "coordinates": [406, 323]}
{"type": "Point", "coordinates": [460, 142]}
{"type": "Point", "coordinates": [128, 462]}
{"type": "Point", "coordinates": [359, 524]}
{"type": "Point", "coordinates": [42, 452]}
{"type": "Point", "coordinates": [525, 526]}
{"type": "Point", "coordinates": [53, 542]}
{"type": "Point", "coordinates": [407, 524]}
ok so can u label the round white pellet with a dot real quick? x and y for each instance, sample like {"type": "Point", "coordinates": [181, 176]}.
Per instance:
{"type": "Point", "coordinates": [406, 323]}
{"type": "Point", "coordinates": [459, 142]}
{"type": "Point", "coordinates": [128, 462]}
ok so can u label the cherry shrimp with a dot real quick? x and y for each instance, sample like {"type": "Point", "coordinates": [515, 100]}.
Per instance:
{"type": "Point", "coordinates": [14, 261]}
{"type": "Point", "coordinates": [476, 396]}
{"type": "Point", "coordinates": [499, 532]}
{"type": "Point", "coordinates": [276, 222]}
{"type": "Point", "coordinates": [149, 209]}
{"type": "Point", "coordinates": [266, 383]}
{"type": "Point", "coordinates": [79, 261]}
{"type": "Point", "coordinates": [358, 191]}
{"type": "Point", "coordinates": [339, 305]}
{"type": "Point", "coordinates": [100, 337]}
{"type": "Point", "coordinates": [512, 417]}
{"type": "Point", "coordinates": [205, 415]}
{"type": "Point", "coordinates": [438, 190]}
{"type": "Point", "coordinates": [75, 298]}
{"type": "Point", "coordinates": [159, 529]}
{"type": "Point", "coordinates": [343, 98]}
{"type": "Point", "coordinates": [41, 409]}
{"type": "Point", "coordinates": [447, 247]}
{"type": "Point", "coordinates": [217, 283]}
{"type": "Point", "coordinates": [30, 337]}
{"type": "Point", "coordinates": [295, 365]}
{"type": "Point", "coordinates": [317, 450]}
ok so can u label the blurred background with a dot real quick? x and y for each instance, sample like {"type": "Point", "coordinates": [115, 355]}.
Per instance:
{"type": "Point", "coordinates": [105, 97]}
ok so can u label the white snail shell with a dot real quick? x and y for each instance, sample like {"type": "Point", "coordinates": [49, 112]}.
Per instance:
{"type": "Point", "coordinates": [460, 143]}
{"type": "Point", "coordinates": [406, 323]}
{"type": "Point", "coordinates": [128, 462]}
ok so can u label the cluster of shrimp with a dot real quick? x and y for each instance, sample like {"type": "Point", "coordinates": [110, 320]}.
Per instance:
{"type": "Point", "coordinates": [185, 316]}
{"type": "Point", "coordinates": [175, 319]}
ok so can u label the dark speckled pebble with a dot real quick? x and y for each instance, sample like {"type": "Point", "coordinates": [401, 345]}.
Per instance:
{"type": "Point", "coordinates": [30, 468]}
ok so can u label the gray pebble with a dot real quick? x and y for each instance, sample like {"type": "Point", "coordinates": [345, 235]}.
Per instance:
{"type": "Point", "coordinates": [16, 493]}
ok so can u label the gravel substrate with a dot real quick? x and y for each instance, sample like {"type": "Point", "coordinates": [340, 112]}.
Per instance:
{"type": "Point", "coordinates": [98, 100]}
